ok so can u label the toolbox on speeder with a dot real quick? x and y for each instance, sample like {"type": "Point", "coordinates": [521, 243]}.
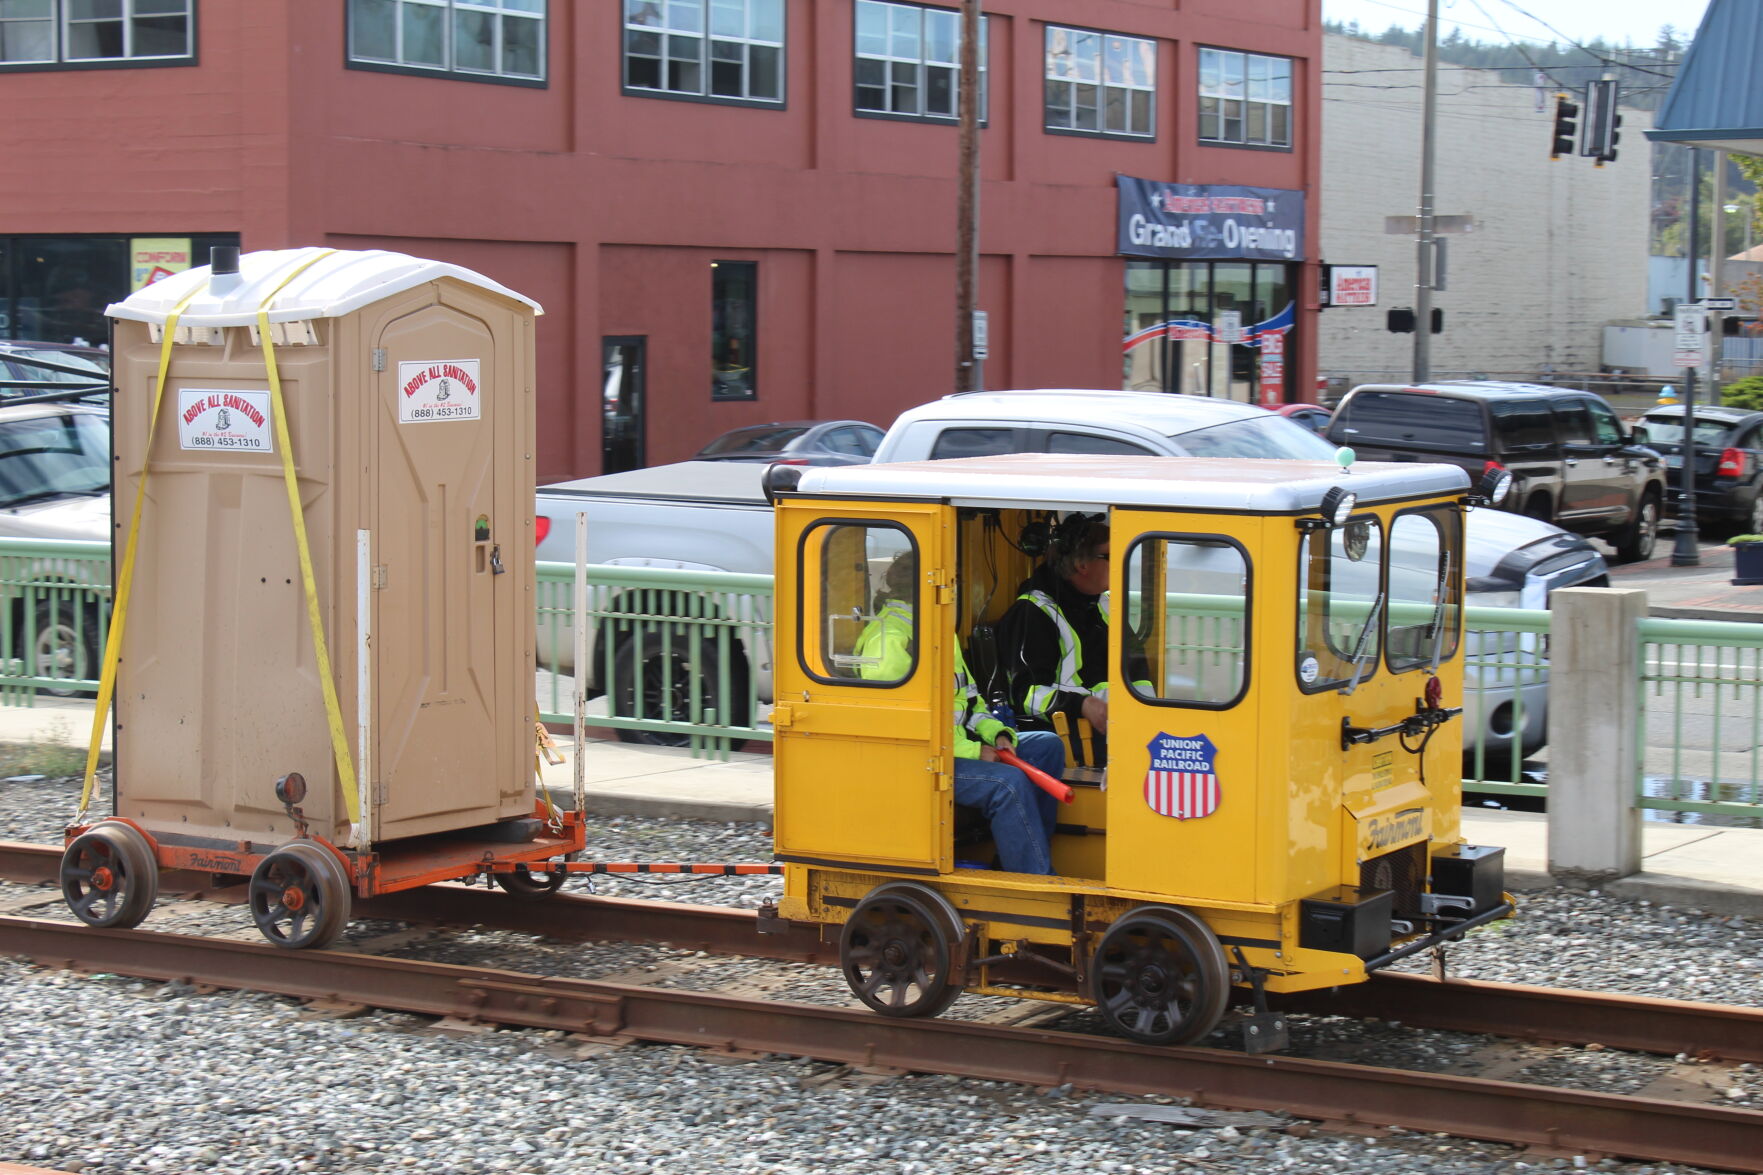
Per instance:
{"type": "Point", "coordinates": [1278, 808]}
{"type": "Point", "coordinates": [325, 680]}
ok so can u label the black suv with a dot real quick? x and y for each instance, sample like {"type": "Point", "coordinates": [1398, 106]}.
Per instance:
{"type": "Point", "coordinates": [1572, 462]}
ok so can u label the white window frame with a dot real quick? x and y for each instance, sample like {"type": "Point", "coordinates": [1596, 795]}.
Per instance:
{"type": "Point", "coordinates": [499, 12]}
{"type": "Point", "coordinates": [692, 33]}
{"type": "Point", "coordinates": [60, 22]}
{"type": "Point", "coordinates": [1247, 91]}
{"type": "Point", "coordinates": [1122, 89]}
{"type": "Point", "coordinates": [916, 69]}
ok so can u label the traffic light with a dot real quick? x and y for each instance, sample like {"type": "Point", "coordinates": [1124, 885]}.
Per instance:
{"type": "Point", "coordinates": [1601, 120]}
{"type": "Point", "coordinates": [1400, 320]}
{"type": "Point", "coordinates": [1438, 321]}
{"type": "Point", "coordinates": [1609, 154]}
{"type": "Point", "coordinates": [1566, 127]}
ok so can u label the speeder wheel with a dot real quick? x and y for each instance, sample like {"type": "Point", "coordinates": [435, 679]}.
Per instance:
{"type": "Point", "coordinates": [1161, 976]}
{"type": "Point", "coordinates": [299, 896]}
{"type": "Point", "coordinates": [109, 876]}
{"type": "Point", "coordinates": [897, 951]}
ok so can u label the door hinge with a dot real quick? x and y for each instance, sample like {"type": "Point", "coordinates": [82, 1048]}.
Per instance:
{"type": "Point", "coordinates": [781, 715]}
{"type": "Point", "coordinates": [378, 360]}
{"type": "Point", "coordinates": [944, 584]}
{"type": "Point", "coordinates": [379, 577]}
{"type": "Point", "coordinates": [380, 795]}
{"type": "Point", "coordinates": [939, 767]}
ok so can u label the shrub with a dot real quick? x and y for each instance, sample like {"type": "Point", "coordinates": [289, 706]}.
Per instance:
{"type": "Point", "coordinates": [1744, 393]}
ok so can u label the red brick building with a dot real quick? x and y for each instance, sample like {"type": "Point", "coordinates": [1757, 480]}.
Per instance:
{"type": "Point", "coordinates": [732, 210]}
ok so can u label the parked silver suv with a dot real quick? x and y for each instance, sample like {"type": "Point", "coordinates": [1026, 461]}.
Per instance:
{"type": "Point", "coordinates": [1572, 461]}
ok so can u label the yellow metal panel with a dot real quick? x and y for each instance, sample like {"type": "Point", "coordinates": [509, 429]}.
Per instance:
{"type": "Point", "coordinates": [862, 770]}
{"type": "Point", "coordinates": [1214, 856]}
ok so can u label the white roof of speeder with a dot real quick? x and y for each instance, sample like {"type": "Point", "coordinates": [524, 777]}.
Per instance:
{"type": "Point", "coordinates": [1190, 483]}
{"type": "Point", "coordinates": [337, 282]}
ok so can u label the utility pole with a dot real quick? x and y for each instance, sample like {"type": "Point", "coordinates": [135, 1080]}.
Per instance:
{"type": "Point", "coordinates": [1424, 246]}
{"type": "Point", "coordinates": [1684, 551]}
{"type": "Point", "coordinates": [967, 199]}
{"type": "Point", "coordinates": [1717, 279]}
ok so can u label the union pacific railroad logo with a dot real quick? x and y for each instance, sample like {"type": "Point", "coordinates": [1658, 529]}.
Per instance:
{"type": "Point", "coordinates": [1181, 780]}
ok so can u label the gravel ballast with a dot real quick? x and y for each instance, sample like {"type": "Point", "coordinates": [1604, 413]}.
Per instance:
{"type": "Point", "coordinates": [108, 1074]}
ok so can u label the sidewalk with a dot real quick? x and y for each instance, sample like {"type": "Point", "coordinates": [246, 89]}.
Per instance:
{"type": "Point", "coordinates": [1703, 592]}
{"type": "Point", "coordinates": [1719, 870]}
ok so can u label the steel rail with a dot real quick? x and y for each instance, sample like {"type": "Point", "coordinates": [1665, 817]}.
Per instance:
{"type": "Point", "coordinates": [1516, 1011]}
{"type": "Point", "coordinates": [1525, 1115]}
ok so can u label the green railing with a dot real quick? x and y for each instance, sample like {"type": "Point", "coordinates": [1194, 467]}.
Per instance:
{"type": "Point", "coordinates": [1701, 719]}
{"type": "Point", "coordinates": [677, 657]}
{"type": "Point", "coordinates": [684, 658]}
{"type": "Point", "coordinates": [56, 599]}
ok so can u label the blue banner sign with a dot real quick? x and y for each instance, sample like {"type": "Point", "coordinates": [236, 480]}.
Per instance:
{"type": "Point", "coordinates": [1199, 221]}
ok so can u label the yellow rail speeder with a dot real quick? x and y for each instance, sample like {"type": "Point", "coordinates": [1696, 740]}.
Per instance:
{"type": "Point", "coordinates": [1294, 632]}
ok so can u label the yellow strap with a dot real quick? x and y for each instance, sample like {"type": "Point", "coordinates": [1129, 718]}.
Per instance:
{"type": "Point", "coordinates": [333, 711]}
{"type": "Point", "coordinates": [126, 576]}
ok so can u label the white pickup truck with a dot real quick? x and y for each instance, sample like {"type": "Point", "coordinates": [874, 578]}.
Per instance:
{"type": "Point", "coordinates": [713, 515]}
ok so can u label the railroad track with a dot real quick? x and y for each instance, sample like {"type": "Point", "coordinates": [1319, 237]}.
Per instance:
{"type": "Point", "coordinates": [1343, 1095]}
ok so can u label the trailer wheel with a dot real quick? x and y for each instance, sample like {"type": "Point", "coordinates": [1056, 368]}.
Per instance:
{"type": "Point", "coordinates": [299, 896]}
{"type": "Point", "coordinates": [528, 886]}
{"type": "Point", "coordinates": [1161, 976]}
{"type": "Point", "coordinates": [897, 951]}
{"type": "Point", "coordinates": [653, 677]}
{"type": "Point", "coordinates": [109, 876]}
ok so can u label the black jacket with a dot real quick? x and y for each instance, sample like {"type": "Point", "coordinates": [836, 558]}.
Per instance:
{"type": "Point", "coordinates": [1029, 650]}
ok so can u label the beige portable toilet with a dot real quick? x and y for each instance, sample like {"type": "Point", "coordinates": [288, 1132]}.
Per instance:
{"type": "Point", "coordinates": [406, 408]}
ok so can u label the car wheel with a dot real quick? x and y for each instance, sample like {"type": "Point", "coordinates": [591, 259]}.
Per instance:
{"type": "Point", "coordinates": [66, 645]}
{"type": "Point", "coordinates": [660, 675]}
{"type": "Point", "coordinates": [1635, 542]}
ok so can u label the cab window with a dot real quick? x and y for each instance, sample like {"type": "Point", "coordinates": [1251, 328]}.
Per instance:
{"type": "Point", "coordinates": [1186, 640]}
{"type": "Point", "coordinates": [862, 581]}
{"type": "Point", "coordinates": [1423, 578]}
{"type": "Point", "coordinates": [1340, 604]}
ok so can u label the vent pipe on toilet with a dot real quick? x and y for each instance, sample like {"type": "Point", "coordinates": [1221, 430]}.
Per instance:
{"type": "Point", "coordinates": [223, 269]}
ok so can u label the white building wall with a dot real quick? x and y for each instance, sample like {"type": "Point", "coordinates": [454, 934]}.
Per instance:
{"type": "Point", "coordinates": [1559, 247]}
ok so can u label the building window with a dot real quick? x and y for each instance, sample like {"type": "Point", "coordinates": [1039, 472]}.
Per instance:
{"type": "Point", "coordinates": [730, 50]}
{"type": "Point", "coordinates": [1100, 83]}
{"type": "Point", "coordinates": [1245, 99]}
{"type": "Point", "coordinates": [96, 32]}
{"type": "Point", "coordinates": [491, 40]}
{"type": "Point", "coordinates": [908, 61]}
{"type": "Point", "coordinates": [734, 301]}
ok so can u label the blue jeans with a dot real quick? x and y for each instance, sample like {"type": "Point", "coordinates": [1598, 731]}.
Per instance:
{"type": "Point", "coordinates": [1021, 815]}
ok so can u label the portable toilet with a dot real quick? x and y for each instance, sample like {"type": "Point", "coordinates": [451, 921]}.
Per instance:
{"type": "Point", "coordinates": [405, 410]}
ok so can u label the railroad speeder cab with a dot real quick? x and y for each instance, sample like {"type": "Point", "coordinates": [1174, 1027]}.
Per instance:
{"type": "Point", "coordinates": [337, 445]}
{"type": "Point", "coordinates": [1276, 807]}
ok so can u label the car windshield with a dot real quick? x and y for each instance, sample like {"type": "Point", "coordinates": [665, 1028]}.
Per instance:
{"type": "Point", "coordinates": [1668, 430]}
{"type": "Point", "coordinates": [1257, 436]}
{"type": "Point", "coordinates": [752, 440]}
{"type": "Point", "coordinates": [53, 456]}
{"type": "Point", "coordinates": [27, 361]}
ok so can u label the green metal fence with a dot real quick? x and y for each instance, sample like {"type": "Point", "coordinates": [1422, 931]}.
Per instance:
{"type": "Point", "coordinates": [684, 658]}
{"type": "Point", "coordinates": [1701, 720]}
{"type": "Point", "coordinates": [679, 658]}
{"type": "Point", "coordinates": [56, 599]}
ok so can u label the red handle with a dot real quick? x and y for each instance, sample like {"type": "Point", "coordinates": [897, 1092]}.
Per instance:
{"type": "Point", "coordinates": [1058, 789]}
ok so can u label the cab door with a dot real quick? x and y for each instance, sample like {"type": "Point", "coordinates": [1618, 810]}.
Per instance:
{"type": "Point", "coordinates": [863, 725]}
{"type": "Point", "coordinates": [1184, 746]}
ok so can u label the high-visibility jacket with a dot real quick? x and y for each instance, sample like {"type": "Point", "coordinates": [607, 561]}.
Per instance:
{"type": "Point", "coordinates": [885, 646]}
{"type": "Point", "coordinates": [1042, 642]}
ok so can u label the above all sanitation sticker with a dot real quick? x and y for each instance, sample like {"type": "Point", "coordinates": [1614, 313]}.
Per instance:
{"type": "Point", "coordinates": [439, 389]}
{"type": "Point", "coordinates": [225, 420]}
